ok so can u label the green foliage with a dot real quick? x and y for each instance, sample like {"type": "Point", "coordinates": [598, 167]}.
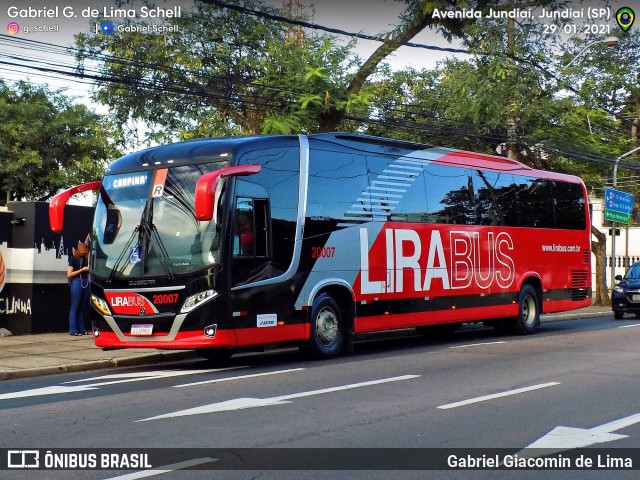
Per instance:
{"type": "Point", "coordinates": [223, 72]}
{"type": "Point", "coordinates": [48, 143]}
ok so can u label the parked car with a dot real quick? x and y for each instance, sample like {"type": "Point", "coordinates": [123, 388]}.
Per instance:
{"type": "Point", "coordinates": [626, 294]}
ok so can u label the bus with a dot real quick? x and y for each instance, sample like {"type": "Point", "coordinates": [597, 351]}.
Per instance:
{"type": "Point", "coordinates": [241, 242]}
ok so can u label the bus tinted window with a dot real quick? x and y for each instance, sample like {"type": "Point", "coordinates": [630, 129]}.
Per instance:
{"type": "Point", "coordinates": [450, 195]}
{"type": "Point", "coordinates": [478, 197]}
{"type": "Point", "coordinates": [279, 177]}
{"type": "Point", "coordinates": [330, 204]}
{"type": "Point", "coordinates": [396, 189]}
{"type": "Point", "coordinates": [569, 206]}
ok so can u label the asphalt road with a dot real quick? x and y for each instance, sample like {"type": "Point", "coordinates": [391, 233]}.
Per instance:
{"type": "Point", "coordinates": [474, 392]}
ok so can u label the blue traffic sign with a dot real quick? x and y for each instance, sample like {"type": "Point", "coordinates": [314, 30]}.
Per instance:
{"type": "Point", "coordinates": [618, 206]}
{"type": "Point", "coordinates": [618, 201]}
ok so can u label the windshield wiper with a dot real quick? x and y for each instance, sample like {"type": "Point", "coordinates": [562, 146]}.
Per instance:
{"type": "Point", "coordinates": [146, 232]}
{"type": "Point", "coordinates": [114, 270]}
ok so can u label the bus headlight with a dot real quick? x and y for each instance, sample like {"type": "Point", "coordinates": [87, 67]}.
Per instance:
{"type": "Point", "coordinates": [100, 305]}
{"type": "Point", "coordinates": [198, 299]}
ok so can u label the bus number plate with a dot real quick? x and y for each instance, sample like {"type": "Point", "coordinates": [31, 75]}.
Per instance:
{"type": "Point", "coordinates": [635, 298]}
{"type": "Point", "coordinates": [141, 330]}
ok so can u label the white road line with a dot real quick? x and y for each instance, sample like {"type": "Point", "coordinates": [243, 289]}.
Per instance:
{"type": "Point", "coordinates": [242, 403]}
{"type": "Point", "coordinates": [53, 390]}
{"type": "Point", "coordinates": [164, 469]}
{"type": "Point", "coordinates": [629, 326]}
{"type": "Point", "coordinates": [476, 344]}
{"type": "Point", "coordinates": [497, 395]}
{"type": "Point", "coordinates": [157, 375]}
{"type": "Point", "coordinates": [116, 378]}
{"type": "Point", "coordinates": [240, 377]}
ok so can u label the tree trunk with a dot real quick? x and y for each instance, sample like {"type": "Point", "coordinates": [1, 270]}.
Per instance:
{"type": "Point", "coordinates": [599, 249]}
{"type": "Point", "coordinates": [420, 18]}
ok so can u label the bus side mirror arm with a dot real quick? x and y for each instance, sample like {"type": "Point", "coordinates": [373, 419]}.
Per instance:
{"type": "Point", "coordinates": [209, 188]}
{"type": "Point", "coordinates": [58, 202]}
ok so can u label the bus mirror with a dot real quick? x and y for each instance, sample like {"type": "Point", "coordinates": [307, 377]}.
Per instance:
{"type": "Point", "coordinates": [209, 188]}
{"type": "Point", "coordinates": [58, 202]}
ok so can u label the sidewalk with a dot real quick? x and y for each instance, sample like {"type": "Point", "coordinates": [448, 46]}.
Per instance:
{"type": "Point", "coordinates": [49, 353]}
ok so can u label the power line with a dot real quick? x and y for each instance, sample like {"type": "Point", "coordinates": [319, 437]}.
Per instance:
{"type": "Point", "coordinates": [313, 26]}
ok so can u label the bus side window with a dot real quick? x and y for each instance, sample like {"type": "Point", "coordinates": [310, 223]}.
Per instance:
{"type": "Point", "coordinates": [251, 233]}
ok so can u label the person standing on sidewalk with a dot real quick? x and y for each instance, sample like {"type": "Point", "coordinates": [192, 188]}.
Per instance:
{"type": "Point", "coordinates": [78, 275]}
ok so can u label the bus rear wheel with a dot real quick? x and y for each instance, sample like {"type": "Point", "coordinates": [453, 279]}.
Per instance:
{"type": "Point", "coordinates": [528, 319]}
{"type": "Point", "coordinates": [327, 328]}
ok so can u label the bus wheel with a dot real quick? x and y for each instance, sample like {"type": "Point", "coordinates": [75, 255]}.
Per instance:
{"type": "Point", "coordinates": [327, 328]}
{"type": "Point", "coordinates": [216, 355]}
{"type": "Point", "coordinates": [528, 319]}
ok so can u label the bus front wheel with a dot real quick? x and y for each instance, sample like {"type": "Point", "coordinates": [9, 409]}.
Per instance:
{"type": "Point", "coordinates": [327, 328]}
{"type": "Point", "coordinates": [528, 319]}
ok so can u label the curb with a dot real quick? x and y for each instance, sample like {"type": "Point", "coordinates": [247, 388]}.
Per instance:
{"type": "Point", "coordinates": [556, 317]}
{"type": "Point", "coordinates": [148, 359]}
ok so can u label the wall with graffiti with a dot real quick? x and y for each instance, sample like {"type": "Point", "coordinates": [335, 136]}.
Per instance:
{"type": "Point", "coordinates": [34, 292]}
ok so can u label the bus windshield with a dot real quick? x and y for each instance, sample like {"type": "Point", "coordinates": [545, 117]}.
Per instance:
{"type": "Point", "coordinates": [145, 224]}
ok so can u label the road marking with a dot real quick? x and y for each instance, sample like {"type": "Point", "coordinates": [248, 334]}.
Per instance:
{"type": "Point", "coordinates": [165, 469]}
{"type": "Point", "coordinates": [242, 403]}
{"type": "Point", "coordinates": [142, 376]}
{"type": "Point", "coordinates": [497, 395]}
{"type": "Point", "coordinates": [567, 438]}
{"type": "Point", "coordinates": [36, 392]}
{"type": "Point", "coordinates": [240, 377]}
{"type": "Point", "coordinates": [118, 378]}
{"type": "Point", "coordinates": [629, 326]}
{"type": "Point", "coordinates": [476, 344]}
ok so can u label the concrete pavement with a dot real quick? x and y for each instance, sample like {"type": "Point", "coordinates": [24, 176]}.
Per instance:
{"type": "Point", "coordinates": [49, 353]}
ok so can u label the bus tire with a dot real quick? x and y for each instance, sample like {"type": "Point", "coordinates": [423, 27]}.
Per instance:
{"type": "Point", "coordinates": [528, 319]}
{"type": "Point", "coordinates": [327, 336]}
{"type": "Point", "coordinates": [216, 355]}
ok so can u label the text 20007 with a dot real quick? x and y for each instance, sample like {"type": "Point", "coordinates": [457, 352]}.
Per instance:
{"type": "Point", "coordinates": [323, 252]}
{"type": "Point", "coordinates": [165, 298]}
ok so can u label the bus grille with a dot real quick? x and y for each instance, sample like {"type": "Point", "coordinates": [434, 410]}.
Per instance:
{"type": "Point", "coordinates": [586, 256]}
{"type": "Point", "coordinates": [579, 284]}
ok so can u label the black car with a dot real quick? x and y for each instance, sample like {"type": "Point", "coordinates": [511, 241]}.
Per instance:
{"type": "Point", "coordinates": [626, 294]}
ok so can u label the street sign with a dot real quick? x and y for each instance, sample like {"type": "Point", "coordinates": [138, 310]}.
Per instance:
{"type": "Point", "coordinates": [618, 205]}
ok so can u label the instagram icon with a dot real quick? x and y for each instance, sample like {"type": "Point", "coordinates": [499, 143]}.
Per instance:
{"type": "Point", "coordinates": [13, 28]}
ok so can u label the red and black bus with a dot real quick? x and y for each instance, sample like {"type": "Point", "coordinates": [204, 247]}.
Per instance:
{"type": "Point", "coordinates": [226, 243]}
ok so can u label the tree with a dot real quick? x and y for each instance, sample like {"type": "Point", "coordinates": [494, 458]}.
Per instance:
{"type": "Point", "coordinates": [47, 142]}
{"type": "Point", "coordinates": [227, 71]}
{"type": "Point", "coordinates": [223, 72]}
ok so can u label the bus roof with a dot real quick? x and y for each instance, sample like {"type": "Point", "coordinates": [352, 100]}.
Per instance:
{"type": "Point", "coordinates": [193, 151]}
{"type": "Point", "coordinates": [216, 149]}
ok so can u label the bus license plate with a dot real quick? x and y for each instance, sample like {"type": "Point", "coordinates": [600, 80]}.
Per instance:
{"type": "Point", "coordinates": [141, 330]}
{"type": "Point", "coordinates": [635, 298]}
